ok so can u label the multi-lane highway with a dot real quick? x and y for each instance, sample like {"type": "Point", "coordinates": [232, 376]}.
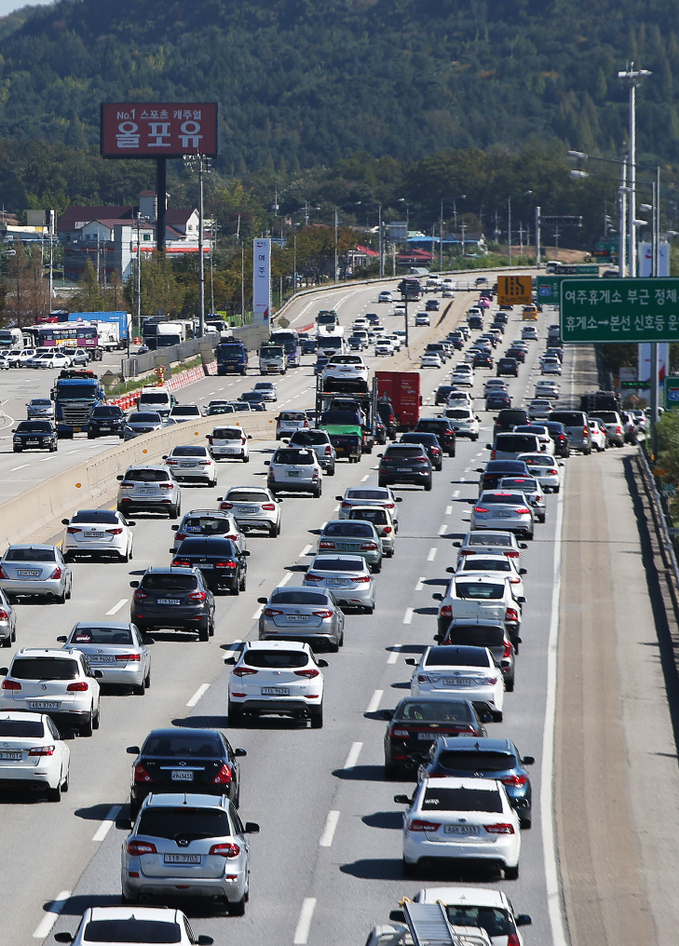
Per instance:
{"type": "Point", "coordinates": [327, 863]}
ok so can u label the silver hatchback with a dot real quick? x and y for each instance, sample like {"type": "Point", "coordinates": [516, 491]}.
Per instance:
{"type": "Point", "coordinates": [347, 576]}
{"type": "Point", "coordinates": [301, 614]}
{"type": "Point", "coordinates": [150, 489]}
{"type": "Point", "coordinates": [500, 509]}
{"type": "Point", "coordinates": [117, 650]}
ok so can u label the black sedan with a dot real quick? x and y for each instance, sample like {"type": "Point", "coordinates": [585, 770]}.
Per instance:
{"type": "Point", "coordinates": [497, 401]}
{"type": "Point", "coordinates": [560, 436]}
{"type": "Point", "coordinates": [219, 560]}
{"type": "Point", "coordinates": [105, 421]}
{"type": "Point", "coordinates": [255, 399]}
{"type": "Point", "coordinates": [180, 760]}
{"type": "Point", "coordinates": [34, 435]}
{"type": "Point", "coordinates": [416, 724]}
{"type": "Point", "coordinates": [482, 360]}
{"type": "Point", "coordinates": [517, 353]}
{"type": "Point", "coordinates": [466, 757]}
{"type": "Point", "coordinates": [508, 366]}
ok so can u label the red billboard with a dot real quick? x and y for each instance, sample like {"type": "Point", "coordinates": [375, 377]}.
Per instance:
{"type": "Point", "coordinates": [159, 129]}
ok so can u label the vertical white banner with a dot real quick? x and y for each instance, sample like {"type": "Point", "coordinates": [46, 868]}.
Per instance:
{"type": "Point", "coordinates": [261, 281]}
{"type": "Point", "coordinates": [644, 366]}
{"type": "Point", "coordinates": [645, 262]}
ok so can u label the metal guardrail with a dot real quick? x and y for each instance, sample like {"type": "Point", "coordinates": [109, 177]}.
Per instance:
{"type": "Point", "coordinates": [662, 515]}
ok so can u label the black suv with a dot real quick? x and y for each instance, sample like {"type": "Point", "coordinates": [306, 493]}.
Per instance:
{"type": "Point", "coordinates": [34, 435]}
{"type": "Point", "coordinates": [496, 469]}
{"type": "Point", "coordinates": [430, 443]}
{"type": "Point", "coordinates": [106, 420]}
{"type": "Point", "coordinates": [508, 366]}
{"type": "Point", "coordinates": [405, 463]}
{"type": "Point", "coordinates": [176, 598]}
{"type": "Point", "coordinates": [219, 559]}
{"type": "Point", "coordinates": [443, 430]}
{"type": "Point", "coordinates": [508, 419]}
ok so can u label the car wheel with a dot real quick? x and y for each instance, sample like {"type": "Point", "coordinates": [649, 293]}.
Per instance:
{"type": "Point", "coordinates": [147, 679]}
{"type": "Point", "coordinates": [526, 822]}
{"type": "Point", "coordinates": [212, 483]}
{"type": "Point", "coordinates": [235, 589]}
{"type": "Point", "coordinates": [389, 553]}
{"type": "Point", "coordinates": [376, 569]}
{"type": "Point", "coordinates": [509, 684]}
{"type": "Point", "coordinates": [317, 493]}
{"type": "Point", "coordinates": [274, 531]}
{"type": "Point", "coordinates": [497, 716]}
{"type": "Point", "coordinates": [341, 640]}
{"type": "Point", "coordinates": [235, 715]}
{"type": "Point", "coordinates": [246, 459]}
{"type": "Point", "coordinates": [243, 583]}
{"type": "Point", "coordinates": [173, 512]}
{"type": "Point", "coordinates": [203, 633]}
{"type": "Point", "coordinates": [427, 487]}
{"type": "Point", "coordinates": [87, 729]}
{"type": "Point", "coordinates": [237, 907]}
{"type": "Point", "coordinates": [139, 690]}
{"type": "Point", "coordinates": [331, 470]}
{"type": "Point", "coordinates": [512, 873]}
{"type": "Point", "coordinates": [333, 646]}
{"type": "Point", "coordinates": [556, 489]}
{"type": "Point", "coordinates": [61, 599]}
{"type": "Point", "coordinates": [124, 557]}
{"type": "Point", "coordinates": [17, 449]}
{"type": "Point", "coordinates": [409, 870]}
{"type": "Point", "coordinates": [370, 610]}
{"type": "Point", "coordinates": [90, 435]}
{"type": "Point", "coordinates": [316, 713]}
{"type": "Point", "coordinates": [54, 794]}
{"type": "Point", "coordinates": [390, 770]}
{"type": "Point", "coordinates": [97, 718]}
{"type": "Point", "coordinates": [212, 627]}
{"type": "Point", "coordinates": [7, 641]}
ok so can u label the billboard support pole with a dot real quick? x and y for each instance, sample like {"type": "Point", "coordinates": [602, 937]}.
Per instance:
{"type": "Point", "coordinates": [161, 197]}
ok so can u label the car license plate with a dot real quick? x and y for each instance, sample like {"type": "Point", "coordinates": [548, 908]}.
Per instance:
{"type": "Point", "coordinates": [182, 858]}
{"type": "Point", "coordinates": [43, 705]}
{"type": "Point", "coordinates": [275, 691]}
{"type": "Point", "coordinates": [186, 463]}
{"type": "Point", "coordinates": [105, 427]}
{"type": "Point", "coordinates": [181, 775]}
{"type": "Point", "coordinates": [169, 601]}
{"type": "Point", "coordinates": [336, 582]}
{"type": "Point", "coordinates": [10, 757]}
{"type": "Point", "coordinates": [101, 659]}
{"type": "Point", "coordinates": [346, 546]}
{"type": "Point", "coordinates": [146, 489]}
{"type": "Point", "coordinates": [95, 535]}
{"type": "Point", "coordinates": [298, 617]}
{"type": "Point", "coordinates": [243, 510]}
{"type": "Point", "coordinates": [32, 441]}
{"type": "Point", "coordinates": [456, 681]}
{"type": "Point", "coordinates": [428, 736]}
{"type": "Point", "coordinates": [403, 469]}
{"type": "Point", "coordinates": [28, 572]}
{"type": "Point", "coordinates": [293, 472]}
{"type": "Point", "coordinates": [460, 829]}
{"type": "Point", "coordinates": [499, 515]}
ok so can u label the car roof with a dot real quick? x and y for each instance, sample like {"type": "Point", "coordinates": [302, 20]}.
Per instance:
{"type": "Point", "coordinates": [169, 570]}
{"type": "Point", "coordinates": [44, 652]}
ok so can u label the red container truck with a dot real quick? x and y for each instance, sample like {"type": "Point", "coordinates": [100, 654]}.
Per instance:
{"type": "Point", "coordinates": [402, 390]}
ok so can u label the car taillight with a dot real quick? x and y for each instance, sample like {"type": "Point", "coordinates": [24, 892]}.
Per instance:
{"type": "Point", "coordinates": [418, 825]}
{"type": "Point", "coordinates": [368, 546]}
{"type": "Point", "coordinates": [228, 849]}
{"type": "Point", "coordinates": [311, 577]}
{"type": "Point", "coordinates": [4, 616]}
{"type": "Point", "coordinates": [226, 505]}
{"type": "Point", "coordinates": [513, 940]}
{"type": "Point", "coordinates": [204, 462]}
{"type": "Point", "coordinates": [328, 450]}
{"type": "Point", "coordinates": [446, 611]}
{"type": "Point", "coordinates": [401, 733]}
{"type": "Point", "coordinates": [172, 462]}
{"type": "Point", "coordinates": [585, 430]}
{"type": "Point", "coordinates": [502, 828]}
{"type": "Point", "coordinates": [224, 776]}
{"type": "Point", "coordinates": [386, 530]}
{"type": "Point", "coordinates": [310, 673]}
{"type": "Point", "coordinates": [114, 531]}
{"type": "Point", "coordinates": [56, 574]}
{"type": "Point", "coordinates": [244, 671]}
{"type": "Point", "coordinates": [511, 614]}
{"type": "Point", "coordinates": [481, 509]}
{"type": "Point", "coordinates": [512, 554]}
{"type": "Point", "coordinates": [271, 612]}
{"type": "Point", "coordinates": [522, 510]}
{"type": "Point", "coordinates": [80, 687]}
{"type": "Point", "coordinates": [492, 454]}
{"type": "Point", "coordinates": [166, 485]}
{"type": "Point", "coordinates": [322, 614]}
{"type": "Point", "coordinates": [552, 472]}
{"type": "Point", "coordinates": [226, 565]}
{"type": "Point", "coordinates": [72, 530]}
{"type": "Point", "coordinates": [129, 657]}
{"type": "Point", "coordinates": [10, 685]}
{"type": "Point", "coordinates": [41, 750]}
{"type": "Point", "coordinates": [269, 506]}
{"type": "Point", "coordinates": [361, 578]}
{"type": "Point", "coordinates": [197, 596]}
{"type": "Point", "coordinates": [181, 563]}
{"type": "Point", "coordinates": [210, 440]}
{"type": "Point", "coordinates": [515, 780]}
{"type": "Point", "coordinates": [509, 650]}
{"type": "Point", "coordinates": [326, 544]}
{"type": "Point", "coordinates": [136, 848]}
{"type": "Point", "coordinates": [139, 595]}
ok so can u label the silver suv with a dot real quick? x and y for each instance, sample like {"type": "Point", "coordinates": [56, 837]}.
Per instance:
{"type": "Point", "coordinates": [150, 489]}
{"type": "Point", "coordinates": [294, 470]}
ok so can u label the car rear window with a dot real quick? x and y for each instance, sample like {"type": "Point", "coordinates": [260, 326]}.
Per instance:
{"type": "Point", "coordinates": [247, 496]}
{"type": "Point", "coordinates": [495, 538]}
{"type": "Point", "coordinates": [168, 582]}
{"type": "Point", "coordinates": [404, 451]}
{"type": "Point", "coordinates": [461, 799]}
{"type": "Point", "coordinates": [147, 476]}
{"type": "Point", "coordinates": [189, 452]}
{"type": "Point", "coordinates": [329, 564]}
{"type": "Point", "coordinates": [181, 822]}
{"type": "Point", "coordinates": [292, 415]}
{"type": "Point", "coordinates": [275, 659]}
{"type": "Point", "coordinates": [30, 555]}
{"type": "Point", "coordinates": [434, 711]}
{"type": "Point", "coordinates": [132, 931]}
{"type": "Point", "coordinates": [476, 761]}
{"type": "Point", "coordinates": [309, 438]}
{"type": "Point", "coordinates": [524, 483]}
{"type": "Point", "coordinates": [227, 433]}
{"type": "Point", "coordinates": [30, 729]}
{"type": "Point", "coordinates": [476, 563]}
{"type": "Point", "coordinates": [476, 635]}
{"type": "Point", "coordinates": [206, 525]}
{"type": "Point", "coordinates": [44, 668]}
{"type": "Point", "coordinates": [191, 409]}
{"type": "Point", "coordinates": [570, 418]}
{"type": "Point", "coordinates": [495, 921]}
{"type": "Point", "coordinates": [446, 656]}
{"type": "Point", "coordinates": [298, 457]}
{"type": "Point", "coordinates": [376, 516]}
{"type": "Point", "coordinates": [103, 516]}
{"type": "Point", "coordinates": [349, 528]}
{"type": "Point", "coordinates": [212, 545]}
{"type": "Point", "coordinates": [298, 597]}
{"type": "Point", "coordinates": [511, 499]}
{"type": "Point", "coordinates": [481, 591]}
{"type": "Point", "coordinates": [380, 494]}
{"type": "Point", "coordinates": [102, 635]}
{"type": "Point", "coordinates": [178, 745]}
{"type": "Point", "coordinates": [514, 443]}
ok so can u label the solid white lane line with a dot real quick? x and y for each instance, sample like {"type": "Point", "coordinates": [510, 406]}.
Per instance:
{"type": "Point", "coordinates": [285, 579]}
{"type": "Point", "coordinates": [107, 824]}
{"type": "Point", "coordinates": [449, 510]}
{"type": "Point", "coordinates": [374, 701]}
{"type": "Point", "coordinates": [329, 829]}
{"type": "Point", "coordinates": [354, 753]}
{"type": "Point", "coordinates": [408, 616]}
{"type": "Point", "coordinates": [304, 922]}
{"type": "Point", "coordinates": [201, 691]}
{"type": "Point", "coordinates": [305, 551]}
{"type": "Point", "coordinates": [117, 607]}
{"type": "Point", "coordinates": [44, 927]}
{"type": "Point", "coordinates": [366, 477]}
{"type": "Point", "coordinates": [395, 654]}
{"type": "Point", "coordinates": [432, 554]}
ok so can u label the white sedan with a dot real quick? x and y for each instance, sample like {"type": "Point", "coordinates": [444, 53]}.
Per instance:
{"type": "Point", "coordinates": [97, 532]}
{"type": "Point", "coordinates": [192, 462]}
{"type": "Point", "coordinates": [33, 754]}
{"type": "Point", "coordinates": [545, 468]}
{"type": "Point", "coordinates": [469, 672]}
{"type": "Point", "coordinates": [430, 360]}
{"type": "Point", "coordinates": [462, 378]}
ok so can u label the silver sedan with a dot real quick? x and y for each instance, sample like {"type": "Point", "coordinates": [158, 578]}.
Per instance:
{"type": "Point", "coordinates": [300, 614]}
{"type": "Point", "coordinates": [117, 650]}
{"type": "Point", "coordinates": [35, 570]}
{"type": "Point", "coordinates": [499, 509]}
{"type": "Point", "coordinates": [347, 576]}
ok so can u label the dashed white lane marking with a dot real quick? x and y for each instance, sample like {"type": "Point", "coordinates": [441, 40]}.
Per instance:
{"type": "Point", "coordinates": [374, 701]}
{"type": "Point", "coordinates": [432, 554]}
{"type": "Point", "coordinates": [117, 607]}
{"type": "Point", "coordinates": [456, 493]}
{"type": "Point", "coordinates": [304, 922]}
{"type": "Point", "coordinates": [366, 477]}
{"type": "Point", "coordinates": [418, 586]}
{"type": "Point", "coordinates": [15, 468]}
{"type": "Point", "coordinates": [44, 928]}
{"type": "Point", "coordinates": [201, 691]}
{"type": "Point", "coordinates": [448, 511]}
{"type": "Point", "coordinates": [258, 613]}
{"type": "Point", "coordinates": [408, 616]}
{"type": "Point", "coordinates": [395, 653]}
{"type": "Point", "coordinates": [442, 528]}
{"type": "Point", "coordinates": [329, 829]}
{"type": "Point", "coordinates": [305, 551]}
{"type": "Point", "coordinates": [354, 753]}
{"type": "Point", "coordinates": [285, 579]}
{"type": "Point", "coordinates": [106, 824]}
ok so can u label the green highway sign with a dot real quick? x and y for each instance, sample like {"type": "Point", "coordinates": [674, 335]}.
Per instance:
{"type": "Point", "coordinates": [634, 385]}
{"type": "Point", "coordinates": [548, 289]}
{"type": "Point", "coordinates": [619, 310]}
{"type": "Point", "coordinates": [575, 269]}
{"type": "Point", "coordinates": [671, 394]}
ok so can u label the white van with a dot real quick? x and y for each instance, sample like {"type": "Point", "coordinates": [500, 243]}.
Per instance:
{"type": "Point", "coordinates": [156, 399]}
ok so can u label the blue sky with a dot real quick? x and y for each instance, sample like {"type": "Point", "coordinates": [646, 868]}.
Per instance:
{"type": "Point", "coordinates": [9, 6]}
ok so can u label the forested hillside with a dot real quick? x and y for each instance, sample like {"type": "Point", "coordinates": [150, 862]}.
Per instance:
{"type": "Point", "coordinates": [303, 83]}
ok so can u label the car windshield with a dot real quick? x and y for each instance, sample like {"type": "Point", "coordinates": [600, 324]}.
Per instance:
{"type": "Point", "coordinates": [275, 659]}
{"type": "Point", "coordinates": [43, 668]}
{"type": "Point", "coordinates": [75, 392]}
{"type": "Point", "coordinates": [191, 409]}
{"type": "Point", "coordinates": [29, 729]}
{"type": "Point", "coordinates": [106, 412]}
{"type": "Point", "coordinates": [462, 799]}
{"type": "Point", "coordinates": [203, 745]}
{"type": "Point", "coordinates": [147, 475]}
{"type": "Point", "coordinates": [102, 635]}
{"type": "Point", "coordinates": [298, 457]}
{"type": "Point", "coordinates": [30, 555]}
{"type": "Point", "coordinates": [36, 427]}
{"type": "Point", "coordinates": [434, 711]}
{"type": "Point", "coordinates": [132, 930]}
{"type": "Point", "coordinates": [298, 597]}
{"type": "Point", "coordinates": [184, 822]}
{"type": "Point", "coordinates": [168, 582]}
{"type": "Point", "coordinates": [40, 402]}
{"type": "Point", "coordinates": [478, 590]}
{"type": "Point", "coordinates": [103, 516]}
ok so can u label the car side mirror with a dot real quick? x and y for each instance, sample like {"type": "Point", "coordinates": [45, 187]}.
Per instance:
{"type": "Point", "coordinates": [438, 638]}
{"type": "Point", "coordinates": [522, 545]}
{"type": "Point", "coordinates": [523, 571]}
{"type": "Point", "coordinates": [520, 599]}
{"type": "Point", "coordinates": [230, 661]}
{"type": "Point", "coordinates": [450, 570]}
{"type": "Point", "coordinates": [132, 750]}
{"type": "Point", "coordinates": [65, 522]}
{"type": "Point", "coordinates": [63, 937]}
{"type": "Point", "coordinates": [457, 545]}
{"type": "Point", "coordinates": [134, 584]}
{"type": "Point", "coordinates": [249, 436]}
{"type": "Point", "coordinates": [386, 714]}
{"type": "Point", "coordinates": [62, 639]}
{"type": "Point", "coordinates": [119, 478]}
{"type": "Point", "coordinates": [478, 469]}
{"type": "Point", "coordinates": [98, 674]}
{"type": "Point", "coordinates": [267, 463]}
{"type": "Point", "coordinates": [399, 499]}
{"type": "Point", "coordinates": [251, 827]}
{"type": "Point", "coordinates": [489, 446]}
{"type": "Point", "coordinates": [437, 596]}
{"type": "Point", "coordinates": [401, 799]}
{"type": "Point", "coordinates": [523, 919]}
{"type": "Point", "coordinates": [240, 752]}
{"type": "Point", "coordinates": [528, 760]}
{"type": "Point", "coordinates": [411, 661]}
{"type": "Point", "coordinates": [204, 940]}
{"type": "Point", "coordinates": [3, 671]}
{"type": "Point", "coordinates": [322, 663]}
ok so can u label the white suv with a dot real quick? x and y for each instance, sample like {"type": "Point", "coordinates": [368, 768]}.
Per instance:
{"type": "Point", "coordinates": [227, 442]}
{"type": "Point", "coordinates": [294, 470]}
{"type": "Point", "coordinates": [253, 508]}
{"type": "Point", "coordinates": [149, 488]}
{"type": "Point", "coordinates": [279, 677]}
{"type": "Point", "coordinates": [58, 683]}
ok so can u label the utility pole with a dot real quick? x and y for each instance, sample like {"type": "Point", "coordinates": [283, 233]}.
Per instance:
{"type": "Point", "coordinates": [335, 269]}
{"type": "Point", "coordinates": [381, 241]}
{"type": "Point", "coordinates": [441, 240]}
{"type": "Point", "coordinates": [537, 237]}
{"type": "Point", "coordinates": [201, 261]}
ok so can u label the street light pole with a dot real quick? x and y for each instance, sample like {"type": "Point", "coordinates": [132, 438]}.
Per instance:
{"type": "Point", "coordinates": [509, 230]}
{"type": "Point", "coordinates": [335, 271]}
{"type": "Point", "coordinates": [381, 241]}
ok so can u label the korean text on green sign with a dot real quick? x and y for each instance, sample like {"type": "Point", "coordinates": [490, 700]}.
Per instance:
{"type": "Point", "coordinates": [620, 310]}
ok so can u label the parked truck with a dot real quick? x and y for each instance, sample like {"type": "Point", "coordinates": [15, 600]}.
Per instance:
{"type": "Point", "coordinates": [75, 394]}
{"type": "Point", "coordinates": [402, 390]}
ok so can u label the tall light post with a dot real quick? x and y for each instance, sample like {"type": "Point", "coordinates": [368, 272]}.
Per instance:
{"type": "Point", "coordinates": [381, 240]}
{"type": "Point", "coordinates": [202, 163]}
{"type": "Point", "coordinates": [335, 265]}
{"type": "Point", "coordinates": [509, 224]}
{"type": "Point", "coordinates": [632, 77]}
{"type": "Point", "coordinates": [459, 197]}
